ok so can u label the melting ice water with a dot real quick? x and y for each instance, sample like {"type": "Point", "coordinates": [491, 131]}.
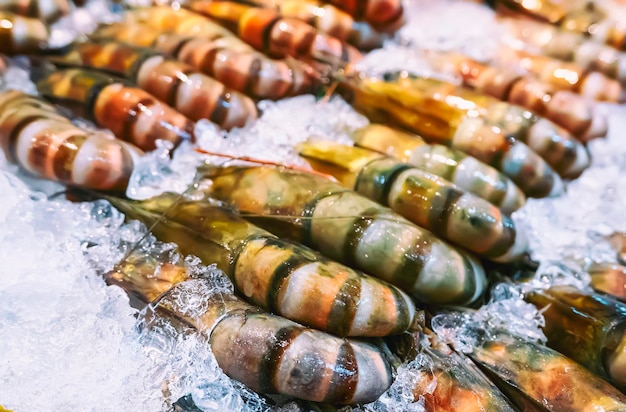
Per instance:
{"type": "Point", "coordinates": [70, 342]}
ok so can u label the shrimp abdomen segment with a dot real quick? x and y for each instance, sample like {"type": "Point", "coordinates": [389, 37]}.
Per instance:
{"type": "Point", "coordinates": [282, 357]}
{"type": "Point", "coordinates": [290, 280]}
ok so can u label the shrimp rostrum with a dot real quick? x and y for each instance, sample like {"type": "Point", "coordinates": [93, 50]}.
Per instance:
{"type": "Point", "coordinates": [268, 353]}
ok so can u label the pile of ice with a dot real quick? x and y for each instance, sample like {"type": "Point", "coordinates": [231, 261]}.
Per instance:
{"type": "Point", "coordinates": [83, 21]}
{"type": "Point", "coordinates": [71, 342]}
{"type": "Point", "coordinates": [439, 26]}
{"type": "Point", "coordinates": [451, 25]}
{"type": "Point", "coordinates": [67, 340]}
{"type": "Point", "coordinates": [271, 138]}
{"type": "Point", "coordinates": [575, 228]}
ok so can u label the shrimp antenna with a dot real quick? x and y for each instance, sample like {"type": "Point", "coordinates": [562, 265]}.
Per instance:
{"type": "Point", "coordinates": [265, 162]}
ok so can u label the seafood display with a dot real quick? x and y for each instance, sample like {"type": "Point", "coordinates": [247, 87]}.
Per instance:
{"type": "Point", "coordinates": [340, 266]}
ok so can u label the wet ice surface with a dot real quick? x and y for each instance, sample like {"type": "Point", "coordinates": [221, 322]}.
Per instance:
{"type": "Point", "coordinates": [63, 331]}
{"type": "Point", "coordinates": [272, 138]}
{"type": "Point", "coordinates": [453, 25]}
{"type": "Point", "coordinates": [574, 228]}
{"type": "Point", "coordinates": [69, 342]}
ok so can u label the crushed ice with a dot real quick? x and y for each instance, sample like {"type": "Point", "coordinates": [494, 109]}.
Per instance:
{"type": "Point", "coordinates": [57, 312]}
{"type": "Point", "coordinates": [400, 397]}
{"type": "Point", "coordinates": [282, 125]}
{"type": "Point", "coordinates": [574, 229]}
{"type": "Point", "coordinates": [464, 27]}
{"type": "Point", "coordinates": [506, 311]}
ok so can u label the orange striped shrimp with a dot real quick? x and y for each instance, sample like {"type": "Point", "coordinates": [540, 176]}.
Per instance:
{"type": "Point", "coordinates": [47, 11]}
{"type": "Point", "coordinates": [278, 36]}
{"type": "Point", "coordinates": [41, 141]}
{"type": "Point", "coordinates": [184, 88]}
{"type": "Point", "coordinates": [571, 111]}
{"type": "Point", "coordinates": [130, 113]}
{"type": "Point", "coordinates": [225, 58]}
{"type": "Point", "coordinates": [582, 53]}
{"type": "Point", "coordinates": [383, 15]}
{"type": "Point", "coordinates": [555, 145]}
